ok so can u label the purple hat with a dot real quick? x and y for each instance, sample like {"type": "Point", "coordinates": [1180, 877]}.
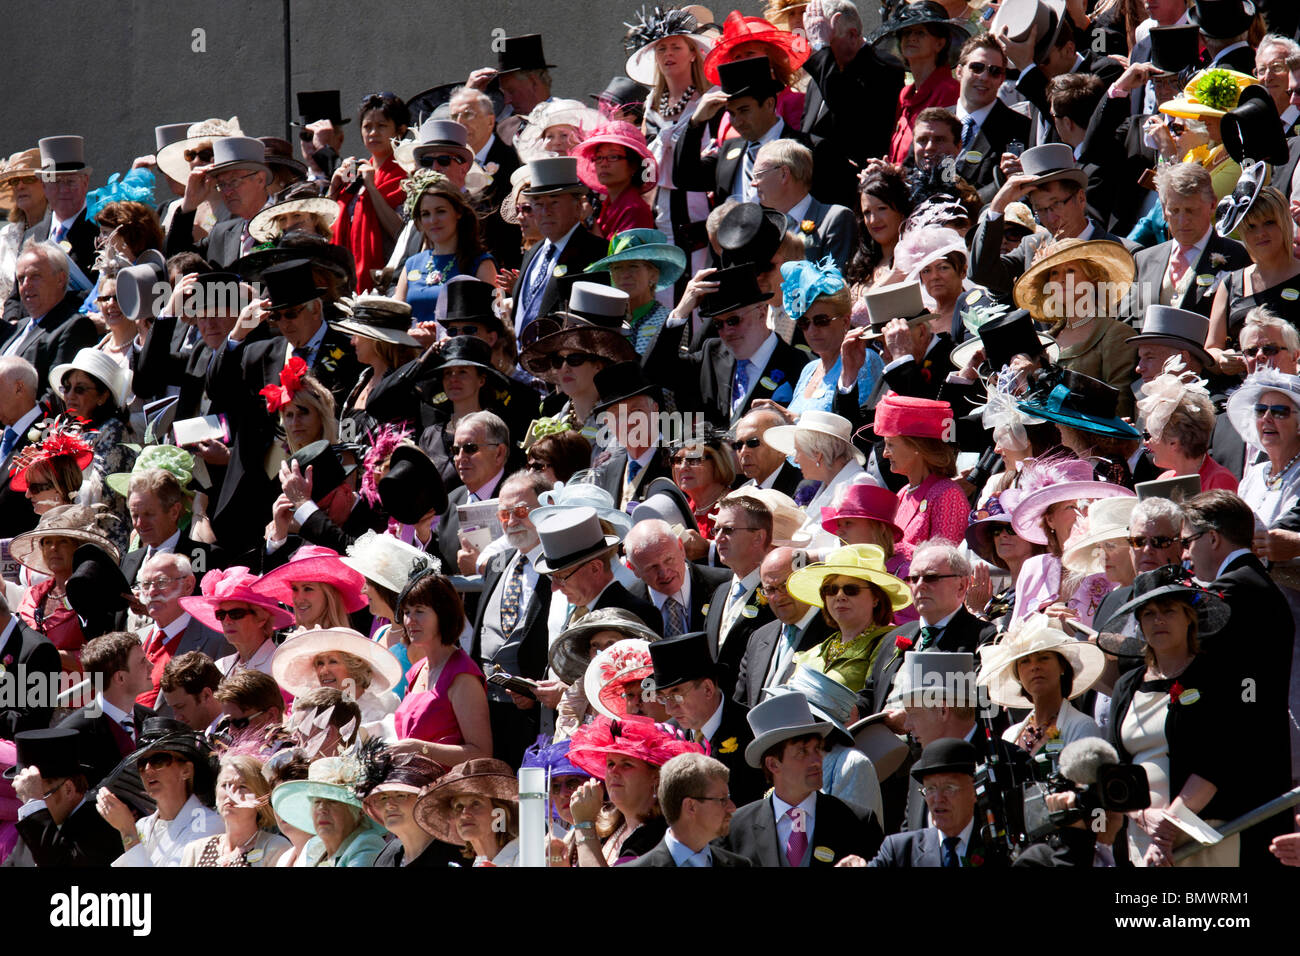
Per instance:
{"type": "Point", "coordinates": [983, 521]}
{"type": "Point", "coordinates": [1045, 482]}
{"type": "Point", "coordinates": [552, 757]}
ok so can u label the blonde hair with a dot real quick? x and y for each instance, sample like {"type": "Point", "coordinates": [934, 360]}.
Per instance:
{"type": "Point", "coordinates": [791, 155]}
{"type": "Point", "coordinates": [249, 769]}
{"type": "Point", "coordinates": [1272, 204]}
{"type": "Point", "coordinates": [317, 397]}
{"type": "Point", "coordinates": [698, 79]}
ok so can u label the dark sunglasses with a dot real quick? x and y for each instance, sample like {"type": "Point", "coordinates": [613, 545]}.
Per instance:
{"type": "Point", "coordinates": [821, 321]}
{"type": "Point", "coordinates": [470, 448]}
{"type": "Point", "coordinates": [202, 155]}
{"type": "Point", "coordinates": [978, 69]}
{"type": "Point", "coordinates": [158, 760]}
{"type": "Point", "coordinates": [732, 321]}
{"type": "Point", "coordinates": [850, 590]}
{"type": "Point", "coordinates": [1268, 350]}
{"type": "Point", "coordinates": [915, 579]}
{"type": "Point", "coordinates": [535, 465]}
{"type": "Point", "coordinates": [442, 160]}
{"type": "Point", "coordinates": [1157, 541]}
{"type": "Point", "coordinates": [235, 614]}
{"type": "Point", "coordinates": [239, 723]}
{"type": "Point", "coordinates": [455, 330]}
{"type": "Point", "coordinates": [1177, 127]}
{"type": "Point", "coordinates": [1279, 412]}
{"type": "Point", "coordinates": [573, 360]}
{"type": "Point", "coordinates": [39, 487]}
{"type": "Point", "coordinates": [746, 443]}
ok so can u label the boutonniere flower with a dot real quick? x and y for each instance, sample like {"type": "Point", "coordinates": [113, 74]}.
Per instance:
{"type": "Point", "coordinates": [760, 598]}
{"type": "Point", "coordinates": [1053, 733]}
{"type": "Point", "coordinates": [1218, 260]}
{"type": "Point", "coordinates": [807, 226]}
{"type": "Point", "coordinates": [9, 660]}
{"type": "Point", "coordinates": [975, 860]}
{"type": "Point", "coordinates": [729, 746]}
{"type": "Point", "coordinates": [491, 168]}
{"type": "Point", "coordinates": [1175, 692]}
{"type": "Point", "coordinates": [903, 643]}
{"type": "Point", "coordinates": [337, 353]}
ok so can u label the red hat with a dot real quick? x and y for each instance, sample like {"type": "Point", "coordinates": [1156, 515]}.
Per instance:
{"type": "Point", "coordinates": [903, 416]}
{"type": "Point", "coordinates": [639, 739]}
{"type": "Point", "coordinates": [790, 48]}
{"type": "Point", "coordinates": [864, 501]}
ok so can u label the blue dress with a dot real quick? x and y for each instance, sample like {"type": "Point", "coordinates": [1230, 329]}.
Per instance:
{"type": "Point", "coordinates": [823, 399]}
{"type": "Point", "coordinates": [425, 276]}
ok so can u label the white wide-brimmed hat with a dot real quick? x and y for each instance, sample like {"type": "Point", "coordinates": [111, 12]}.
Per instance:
{"type": "Point", "coordinates": [99, 366]}
{"type": "Point", "coordinates": [1035, 634]}
{"type": "Point", "coordinates": [171, 158]}
{"type": "Point", "coordinates": [293, 663]}
{"type": "Point", "coordinates": [609, 671]}
{"type": "Point", "coordinates": [781, 437]}
{"type": "Point", "coordinates": [1241, 406]}
{"type": "Point", "coordinates": [1107, 520]}
{"type": "Point", "coordinates": [385, 560]}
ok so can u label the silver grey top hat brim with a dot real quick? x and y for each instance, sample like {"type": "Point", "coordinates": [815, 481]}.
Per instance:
{"type": "Point", "coordinates": [442, 136]}
{"type": "Point", "coordinates": [1050, 163]}
{"type": "Point", "coordinates": [884, 748]}
{"type": "Point", "coordinates": [779, 718]}
{"type": "Point", "coordinates": [555, 174]}
{"type": "Point", "coordinates": [1176, 328]}
{"type": "Point", "coordinates": [238, 152]}
{"type": "Point", "coordinates": [901, 300]}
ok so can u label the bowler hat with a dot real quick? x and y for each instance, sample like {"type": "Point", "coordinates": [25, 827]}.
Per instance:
{"type": "Point", "coordinates": [52, 750]}
{"type": "Point", "coordinates": [780, 718]}
{"type": "Point", "coordinates": [290, 284]}
{"type": "Point", "coordinates": [327, 468]}
{"type": "Point", "coordinates": [571, 537]}
{"type": "Point", "coordinates": [682, 658]}
{"type": "Point", "coordinates": [737, 289]}
{"type": "Point", "coordinates": [522, 53]}
{"type": "Point", "coordinates": [946, 755]}
{"type": "Point", "coordinates": [749, 234]}
{"type": "Point", "coordinates": [97, 583]}
{"type": "Point", "coordinates": [751, 76]}
{"type": "Point", "coordinates": [314, 105]}
{"type": "Point", "coordinates": [411, 487]}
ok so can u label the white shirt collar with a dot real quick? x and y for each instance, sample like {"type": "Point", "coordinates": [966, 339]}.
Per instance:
{"type": "Point", "coordinates": [683, 595]}
{"type": "Point", "coordinates": [489, 486]}
{"type": "Point", "coordinates": [758, 361]}
{"type": "Point", "coordinates": [175, 627]}
{"type": "Point", "coordinates": [776, 132]}
{"type": "Point", "coordinates": [9, 629]}
{"type": "Point", "coordinates": [713, 723]}
{"type": "Point", "coordinates": [979, 115]}
{"type": "Point", "coordinates": [21, 426]}
{"type": "Point", "coordinates": [963, 840]}
{"type": "Point", "coordinates": [941, 623]}
{"type": "Point", "coordinates": [1232, 556]}
{"type": "Point", "coordinates": [780, 808]}
{"type": "Point", "coordinates": [799, 211]}
{"type": "Point", "coordinates": [116, 714]}
{"type": "Point", "coordinates": [1088, 230]}
{"type": "Point", "coordinates": [481, 156]}
{"type": "Point", "coordinates": [167, 547]}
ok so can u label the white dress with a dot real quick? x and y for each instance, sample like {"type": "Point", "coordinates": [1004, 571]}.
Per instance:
{"type": "Point", "coordinates": [163, 842]}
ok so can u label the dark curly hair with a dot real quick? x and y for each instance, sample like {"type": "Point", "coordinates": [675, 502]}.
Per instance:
{"type": "Point", "coordinates": [890, 186]}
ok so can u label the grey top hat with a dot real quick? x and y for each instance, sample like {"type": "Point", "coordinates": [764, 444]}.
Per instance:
{"type": "Point", "coordinates": [555, 174]}
{"type": "Point", "coordinates": [1177, 328]}
{"type": "Point", "coordinates": [779, 718]}
{"type": "Point", "coordinates": [169, 133]}
{"type": "Point", "coordinates": [63, 154]}
{"type": "Point", "coordinates": [437, 136]}
{"type": "Point", "coordinates": [594, 301]}
{"type": "Point", "coordinates": [884, 748]}
{"type": "Point", "coordinates": [135, 285]}
{"type": "Point", "coordinates": [935, 679]}
{"type": "Point", "coordinates": [1018, 17]}
{"type": "Point", "coordinates": [901, 300]}
{"type": "Point", "coordinates": [1050, 163]}
{"type": "Point", "coordinates": [238, 152]}
{"type": "Point", "coordinates": [570, 538]}
{"type": "Point", "coordinates": [1177, 489]}
{"type": "Point", "coordinates": [827, 697]}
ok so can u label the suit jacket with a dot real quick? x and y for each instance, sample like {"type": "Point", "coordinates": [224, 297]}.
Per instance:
{"type": "Point", "coordinates": [662, 856]}
{"type": "Point", "coordinates": [729, 648]}
{"type": "Point", "coordinates": [84, 839]}
{"type": "Point", "coordinates": [28, 652]}
{"type": "Point", "coordinates": [1000, 127]}
{"type": "Point", "coordinates": [81, 237]}
{"type": "Point", "coordinates": [221, 247]}
{"type": "Point", "coordinates": [610, 472]}
{"type": "Point", "coordinates": [704, 581]}
{"type": "Point", "coordinates": [98, 747]}
{"type": "Point", "coordinates": [835, 828]}
{"type": "Point", "coordinates": [852, 109]}
{"type": "Point", "coordinates": [925, 378]}
{"type": "Point", "coordinates": [788, 479]}
{"type": "Point", "coordinates": [1032, 85]}
{"type": "Point", "coordinates": [64, 332]}
{"type": "Point", "coordinates": [615, 595]}
{"type": "Point", "coordinates": [203, 557]}
{"type": "Point", "coordinates": [582, 249]}
{"type": "Point", "coordinates": [835, 234]}
{"type": "Point", "coordinates": [716, 173]}
{"type": "Point", "coordinates": [705, 375]}
{"type": "Point", "coordinates": [728, 745]}
{"type": "Point", "coordinates": [757, 659]}
{"type": "Point", "coordinates": [534, 642]}
{"type": "Point", "coordinates": [998, 273]}
{"type": "Point", "coordinates": [1241, 59]}
{"type": "Point", "coordinates": [1153, 263]}
{"type": "Point", "coordinates": [16, 512]}
{"type": "Point", "coordinates": [965, 632]}
{"type": "Point", "coordinates": [158, 366]}
{"type": "Point", "coordinates": [922, 848]}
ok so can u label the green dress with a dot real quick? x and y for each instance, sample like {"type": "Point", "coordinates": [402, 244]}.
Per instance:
{"type": "Point", "coordinates": [850, 663]}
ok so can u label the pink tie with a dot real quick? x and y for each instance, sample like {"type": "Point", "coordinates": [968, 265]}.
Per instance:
{"type": "Point", "coordinates": [797, 845]}
{"type": "Point", "coordinates": [1178, 266]}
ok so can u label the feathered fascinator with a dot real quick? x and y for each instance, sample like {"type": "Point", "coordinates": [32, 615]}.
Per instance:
{"type": "Point", "coordinates": [383, 443]}
{"type": "Point", "coordinates": [417, 184]}
{"type": "Point", "coordinates": [1163, 394]}
{"type": "Point", "coordinates": [638, 739]}
{"type": "Point", "coordinates": [63, 436]}
{"type": "Point", "coordinates": [1040, 473]}
{"type": "Point", "coordinates": [136, 186]}
{"type": "Point", "coordinates": [1001, 414]}
{"type": "Point", "coordinates": [654, 26]}
{"type": "Point", "coordinates": [923, 245]}
{"type": "Point", "coordinates": [375, 761]}
{"type": "Point", "coordinates": [543, 427]}
{"type": "Point", "coordinates": [802, 282]}
{"type": "Point", "coordinates": [941, 210]}
{"type": "Point", "coordinates": [552, 757]}
{"type": "Point", "coordinates": [291, 376]}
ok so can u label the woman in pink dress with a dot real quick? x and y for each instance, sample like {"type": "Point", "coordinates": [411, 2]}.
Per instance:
{"type": "Point", "coordinates": [446, 701]}
{"type": "Point", "coordinates": [931, 505]}
{"type": "Point", "coordinates": [616, 162]}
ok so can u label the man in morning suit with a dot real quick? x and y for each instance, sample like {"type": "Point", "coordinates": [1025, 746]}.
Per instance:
{"type": "Point", "coordinates": [110, 724]}
{"type": "Point", "coordinates": [156, 502]}
{"type": "Point", "coordinates": [796, 824]}
{"type": "Point", "coordinates": [26, 652]}
{"type": "Point", "coordinates": [473, 110]}
{"type": "Point", "coordinates": [743, 536]}
{"type": "Point", "coordinates": [629, 405]}
{"type": "Point", "coordinates": [695, 801]}
{"type": "Point", "coordinates": [783, 173]}
{"type": "Point", "coordinates": [760, 462]}
{"type": "Point", "coordinates": [53, 331]}
{"type": "Point", "coordinates": [19, 411]}
{"type": "Point", "coordinates": [480, 449]}
{"type": "Point", "coordinates": [685, 680]}
{"type": "Point", "coordinates": [988, 125]}
{"type": "Point", "coordinates": [680, 589]}
{"type": "Point", "coordinates": [239, 174]}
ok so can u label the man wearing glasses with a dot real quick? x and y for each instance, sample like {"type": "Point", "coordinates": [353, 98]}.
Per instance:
{"type": "Point", "coordinates": [759, 461]}
{"type": "Point", "coordinates": [783, 171]}
{"type": "Point", "coordinates": [238, 175]}
{"type": "Point", "coordinates": [54, 331]}
{"type": "Point", "coordinates": [66, 178]}
{"type": "Point", "coordinates": [479, 450]}
{"type": "Point", "coordinates": [743, 535]}
{"type": "Point", "coordinates": [696, 802]}
{"type": "Point", "coordinates": [473, 110]}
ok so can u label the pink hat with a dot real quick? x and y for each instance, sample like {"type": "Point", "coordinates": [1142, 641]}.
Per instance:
{"type": "Point", "coordinates": [903, 416]}
{"type": "Point", "coordinates": [639, 739]}
{"type": "Point", "coordinates": [616, 133]}
{"type": "Point", "coordinates": [1046, 482]}
{"type": "Point", "coordinates": [864, 501]}
{"type": "Point", "coordinates": [233, 584]}
{"type": "Point", "coordinates": [319, 565]}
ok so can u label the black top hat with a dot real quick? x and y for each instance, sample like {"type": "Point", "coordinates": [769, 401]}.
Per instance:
{"type": "Point", "coordinates": [749, 233]}
{"type": "Point", "coordinates": [621, 381]}
{"type": "Point", "coordinates": [298, 245]}
{"type": "Point", "coordinates": [316, 105]}
{"type": "Point", "coordinates": [412, 486]}
{"type": "Point", "coordinates": [53, 750]}
{"type": "Point", "coordinates": [1252, 130]}
{"type": "Point", "coordinates": [1172, 582]}
{"type": "Point", "coordinates": [469, 300]}
{"type": "Point", "coordinates": [946, 755]}
{"type": "Point", "coordinates": [155, 728]}
{"type": "Point", "coordinates": [290, 284]}
{"type": "Point", "coordinates": [682, 658]}
{"type": "Point", "coordinates": [622, 91]}
{"type": "Point", "coordinates": [737, 288]}
{"type": "Point", "coordinates": [97, 584]}
{"type": "Point", "coordinates": [751, 76]}
{"type": "Point", "coordinates": [522, 53]}
{"type": "Point", "coordinates": [469, 351]}
{"type": "Point", "coordinates": [1222, 19]}
{"type": "Point", "coordinates": [327, 468]}
{"type": "Point", "coordinates": [1008, 336]}
{"type": "Point", "coordinates": [1174, 49]}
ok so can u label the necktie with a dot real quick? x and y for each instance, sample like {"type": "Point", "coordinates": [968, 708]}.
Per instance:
{"type": "Point", "coordinates": [7, 443]}
{"type": "Point", "coordinates": [129, 726]}
{"type": "Point", "coordinates": [674, 618]}
{"type": "Point", "coordinates": [928, 635]}
{"type": "Point", "coordinates": [739, 384]}
{"type": "Point", "coordinates": [797, 845]}
{"type": "Point", "coordinates": [1179, 263]}
{"type": "Point", "coordinates": [967, 132]}
{"type": "Point", "coordinates": [510, 598]}
{"type": "Point", "coordinates": [747, 191]}
{"type": "Point", "coordinates": [950, 852]}
{"type": "Point", "coordinates": [633, 469]}
{"type": "Point", "coordinates": [578, 614]}
{"type": "Point", "coordinates": [61, 233]}
{"type": "Point", "coordinates": [536, 284]}
{"type": "Point", "coordinates": [156, 637]}
{"type": "Point", "coordinates": [784, 653]}
{"type": "Point", "coordinates": [303, 352]}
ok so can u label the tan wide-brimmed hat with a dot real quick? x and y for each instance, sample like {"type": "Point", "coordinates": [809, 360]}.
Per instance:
{"type": "Point", "coordinates": [77, 523]}
{"type": "Point", "coordinates": [296, 198]}
{"type": "Point", "coordinates": [1033, 635]}
{"type": "Point", "coordinates": [1114, 261]}
{"type": "Point", "coordinates": [483, 777]}
{"type": "Point", "coordinates": [25, 162]}
{"type": "Point", "coordinates": [171, 158]}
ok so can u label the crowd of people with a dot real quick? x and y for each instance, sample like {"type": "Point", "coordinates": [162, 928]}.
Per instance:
{"type": "Point", "coordinates": [814, 421]}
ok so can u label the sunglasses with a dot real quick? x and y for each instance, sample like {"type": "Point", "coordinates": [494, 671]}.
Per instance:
{"type": "Point", "coordinates": [158, 760]}
{"type": "Point", "coordinates": [821, 321]}
{"type": "Point", "coordinates": [917, 579]}
{"type": "Point", "coordinates": [1268, 350]}
{"type": "Point", "coordinates": [39, 487]}
{"type": "Point", "coordinates": [455, 330]}
{"type": "Point", "coordinates": [202, 155]}
{"type": "Point", "coordinates": [1157, 541]}
{"type": "Point", "coordinates": [524, 208]}
{"type": "Point", "coordinates": [240, 723]}
{"type": "Point", "coordinates": [470, 448]}
{"type": "Point", "coordinates": [535, 465]}
{"type": "Point", "coordinates": [732, 321]}
{"type": "Point", "coordinates": [979, 69]}
{"type": "Point", "coordinates": [746, 443]}
{"type": "Point", "coordinates": [442, 160]}
{"type": "Point", "coordinates": [235, 614]}
{"type": "Point", "coordinates": [573, 360]}
{"type": "Point", "coordinates": [850, 590]}
{"type": "Point", "coordinates": [687, 459]}
{"type": "Point", "coordinates": [1279, 412]}
{"type": "Point", "coordinates": [373, 100]}
{"type": "Point", "coordinates": [105, 298]}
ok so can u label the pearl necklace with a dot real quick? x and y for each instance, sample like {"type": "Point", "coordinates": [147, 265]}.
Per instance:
{"type": "Point", "coordinates": [671, 112]}
{"type": "Point", "coordinates": [1276, 480]}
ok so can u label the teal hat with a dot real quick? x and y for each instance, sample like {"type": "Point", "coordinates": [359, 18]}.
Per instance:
{"type": "Point", "coordinates": [167, 457]}
{"type": "Point", "coordinates": [645, 245]}
{"type": "Point", "coordinates": [329, 778]}
{"type": "Point", "coordinates": [803, 282]}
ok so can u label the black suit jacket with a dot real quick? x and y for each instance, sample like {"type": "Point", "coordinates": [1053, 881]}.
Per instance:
{"type": "Point", "coordinates": [85, 839]}
{"type": "Point", "coordinates": [615, 595]}
{"type": "Point", "coordinates": [729, 648]}
{"type": "Point", "coordinates": [610, 472]}
{"type": "Point", "coordinates": [81, 236]}
{"type": "Point", "coordinates": [203, 557]}
{"type": "Point", "coordinates": [1000, 127]}
{"type": "Point", "coordinates": [728, 745]}
{"type": "Point", "coordinates": [28, 652]}
{"type": "Point", "coordinates": [662, 856]}
{"type": "Point", "coordinates": [1153, 263]}
{"type": "Point", "coordinates": [64, 332]}
{"type": "Point", "coordinates": [16, 512]}
{"type": "Point", "coordinates": [852, 109]}
{"type": "Point", "coordinates": [788, 478]}
{"type": "Point", "coordinates": [965, 632]}
{"type": "Point", "coordinates": [716, 173]}
{"type": "Point", "coordinates": [534, 640]}
{"type": "Point", "coordinates": [582, 249]}
{"type": "Point", "coordinates": [757, 658]}
{"type": "Point", "coordinates": [921, 848]}
{"type": "Point", "coordinates": [158, 367]}
{"type": "Point", "coordinates": [98, 746]}
{"type": "Point", "coordinates": [221, 247]}
{"type": "Point", "coordinates": [1032, 85]}
{"type": "Point", "coordinates": [704, 581]}
{"type": "Point", "coordinates": [835, 828]}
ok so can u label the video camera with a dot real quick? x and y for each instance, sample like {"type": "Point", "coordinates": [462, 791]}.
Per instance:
{"type": "Point", "coordinates": [1090, 769]}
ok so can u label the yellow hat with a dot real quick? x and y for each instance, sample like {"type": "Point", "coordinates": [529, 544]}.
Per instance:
{"type": "Point", "coordinates": [1208, 94]}
{"type": "Point", "coordinates": [863, 561]}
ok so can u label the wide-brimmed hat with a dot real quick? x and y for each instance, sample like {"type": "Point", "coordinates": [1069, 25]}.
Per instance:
{"type": "Point", "coordinates": [467, 351]}
{"type": "Point", "coordinates": [376, 317]}
{"type": "Point", "coordinates": [25, 162]}
{"type": "Point", "coordinates": [571, 651]}
{"type": "Point", "coordinates": [76, 522]}
{"type": "Point", "coordinates": [1003, 337]}
{"type": "Point", "coordinates": [62, 154]}
{"type": "Point", "coordinates": [314, 105]}
{"type": "Point", "coordinates": [933, 679]}
{"type": "Point", "coordinates": [1178, 328]}
{"type": "Point", "coordinates": [644, 740]}
{"type": "Point", "coordinates": [571, 537]}
{"type": "Point", "coordinates": [296, 198]}
{"type": "Point", "coordinates": [1252, 130]}
{"type": "Point", "coordinates": [167, 735]}
{"type": "Point", "coordinates": [518, 183]}
{"type": "Point", "coordinates": [682, 658]}
{"type": "Point", "coordinates": [1209, 94]}
{"type": "Point", "coordinates": [866, 562]}
{"type": "Point", "coordinates": [812, 421]}
{"type": "Point", "coordinates": [1241, 404]}
{"type": "Point", "coordinates": [97, 584]}
{"type": "Point", "coordinates": [1079, 401]}
{"type": "Point", "coordinates": [1234, 207]}
{"type": "Point", "coordinates": [645, 245]}
{"type": "Point", "coordinates": [787, 517]}
{"type": "Point", "coordinates": [317, 250]}
{"type": "Point", "coordinates": [328, 778]}
{"type": "Point", "coordinates": [621, 91]}
{"type": "Point", "coordinates": [737, 289]}
{"type": "Point", "coordinates": [750, 234]}
{"type": "Point", "coordinates": [1046, 482]}
{"type": "Point", "coordinates": [1035, 634]}
{"type": "Point", "coordinates": [1018, 18]}
{"type": "Point", "coordinates": [1110, 257]}
{"type": "Point", "coordinates": [780, 718]}
{"type": "Point", "coordinates": [320, 565]}
{"type": "Point", "coordinates": [238, 584]}
{"type": "Point", "coordinates": [551, 757]}
{"type": "Point", "coordinates": [1174, 49]}
{"type": "Point", "coordinates": [99, 366]}
{"type": "Point", "coordinates": [1050, 163]}
{"type": "Point", "coordinates": [1171, 582]}
{"type": "Point", "coordinates": [653, 26]}
{"type": "Point", "coordinates": [617, 133]}
{"type": "Point", "coordinates": [171, 158]}
{"type": "Point", "coordinates": [995, 513]}
{"type": "Point", "coordinates": [522, 53]}
{"type": "Point", "coordinates": [861, 500]}
{"type": "Point", "coordinates": [789, 49]}
{"type": "Point", "coordinates": [438, 136]}
{"type": "Point", "coordinates": [384, 559]}
{"type": "Point", "coordinates": [610, 671]}
{"type": "Point", "coordinates": [412, 486]}
{"type": "Point", "coordinates": [553, 175]}
{"type": "Point", "coordinates": [405, 766]}
{"type": "Point", "coordinates": [1107, 520]}
{"type": "Point", "coordinates": [1222, 19]}
{"type": "Point", "coordinates": [885, 749]}
{"type": "Point", "coordinates": [293, 664]}
{"type": "Point", "coordinates": [899, 300]}
{"type": "Point", "coordinates": [482, 777]}
{"type": "Point", "coordinates": [827, 698]}
{"type": "Point", "coordinates": [925, 13]}
{"type": "Point", "coordinates": [177, 461]}
{"type": "Point", "coordinates": [946, 755]}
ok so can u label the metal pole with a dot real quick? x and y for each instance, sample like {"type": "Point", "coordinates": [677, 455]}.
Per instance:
{"type": "Point", "coordinates": [288, 76]}
{"type": "Point", "coordinates": [1243, 822]}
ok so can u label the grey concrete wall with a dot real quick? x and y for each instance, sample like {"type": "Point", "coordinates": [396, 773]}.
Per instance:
{"type": "Point", "coordinates": [112, 70]}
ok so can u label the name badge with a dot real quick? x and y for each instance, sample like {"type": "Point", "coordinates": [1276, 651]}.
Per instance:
{"type": "Point", "coordinates": [749, 611]}
{"type": "Point", "coordinates": [413, 275]}
{"type": "Point", "coordinates": [824, 854]}
{"type": "Point", "coordinates": [972, 156]}
{"type": "Point", "coordinates": [1290, 295]}
{"type": "Point", "coordinates": [734, 152]}
{"type": "Point", "coordinates": [973, 296]}
{"type": "Point", "coordinates": [256, 855]}
{"type": "Point", "coordinates": [1204, 280]}
{"type": "Point", "coordinates": [767, 383]}
{"type": "Point", "coordinates": [1189, 696]}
